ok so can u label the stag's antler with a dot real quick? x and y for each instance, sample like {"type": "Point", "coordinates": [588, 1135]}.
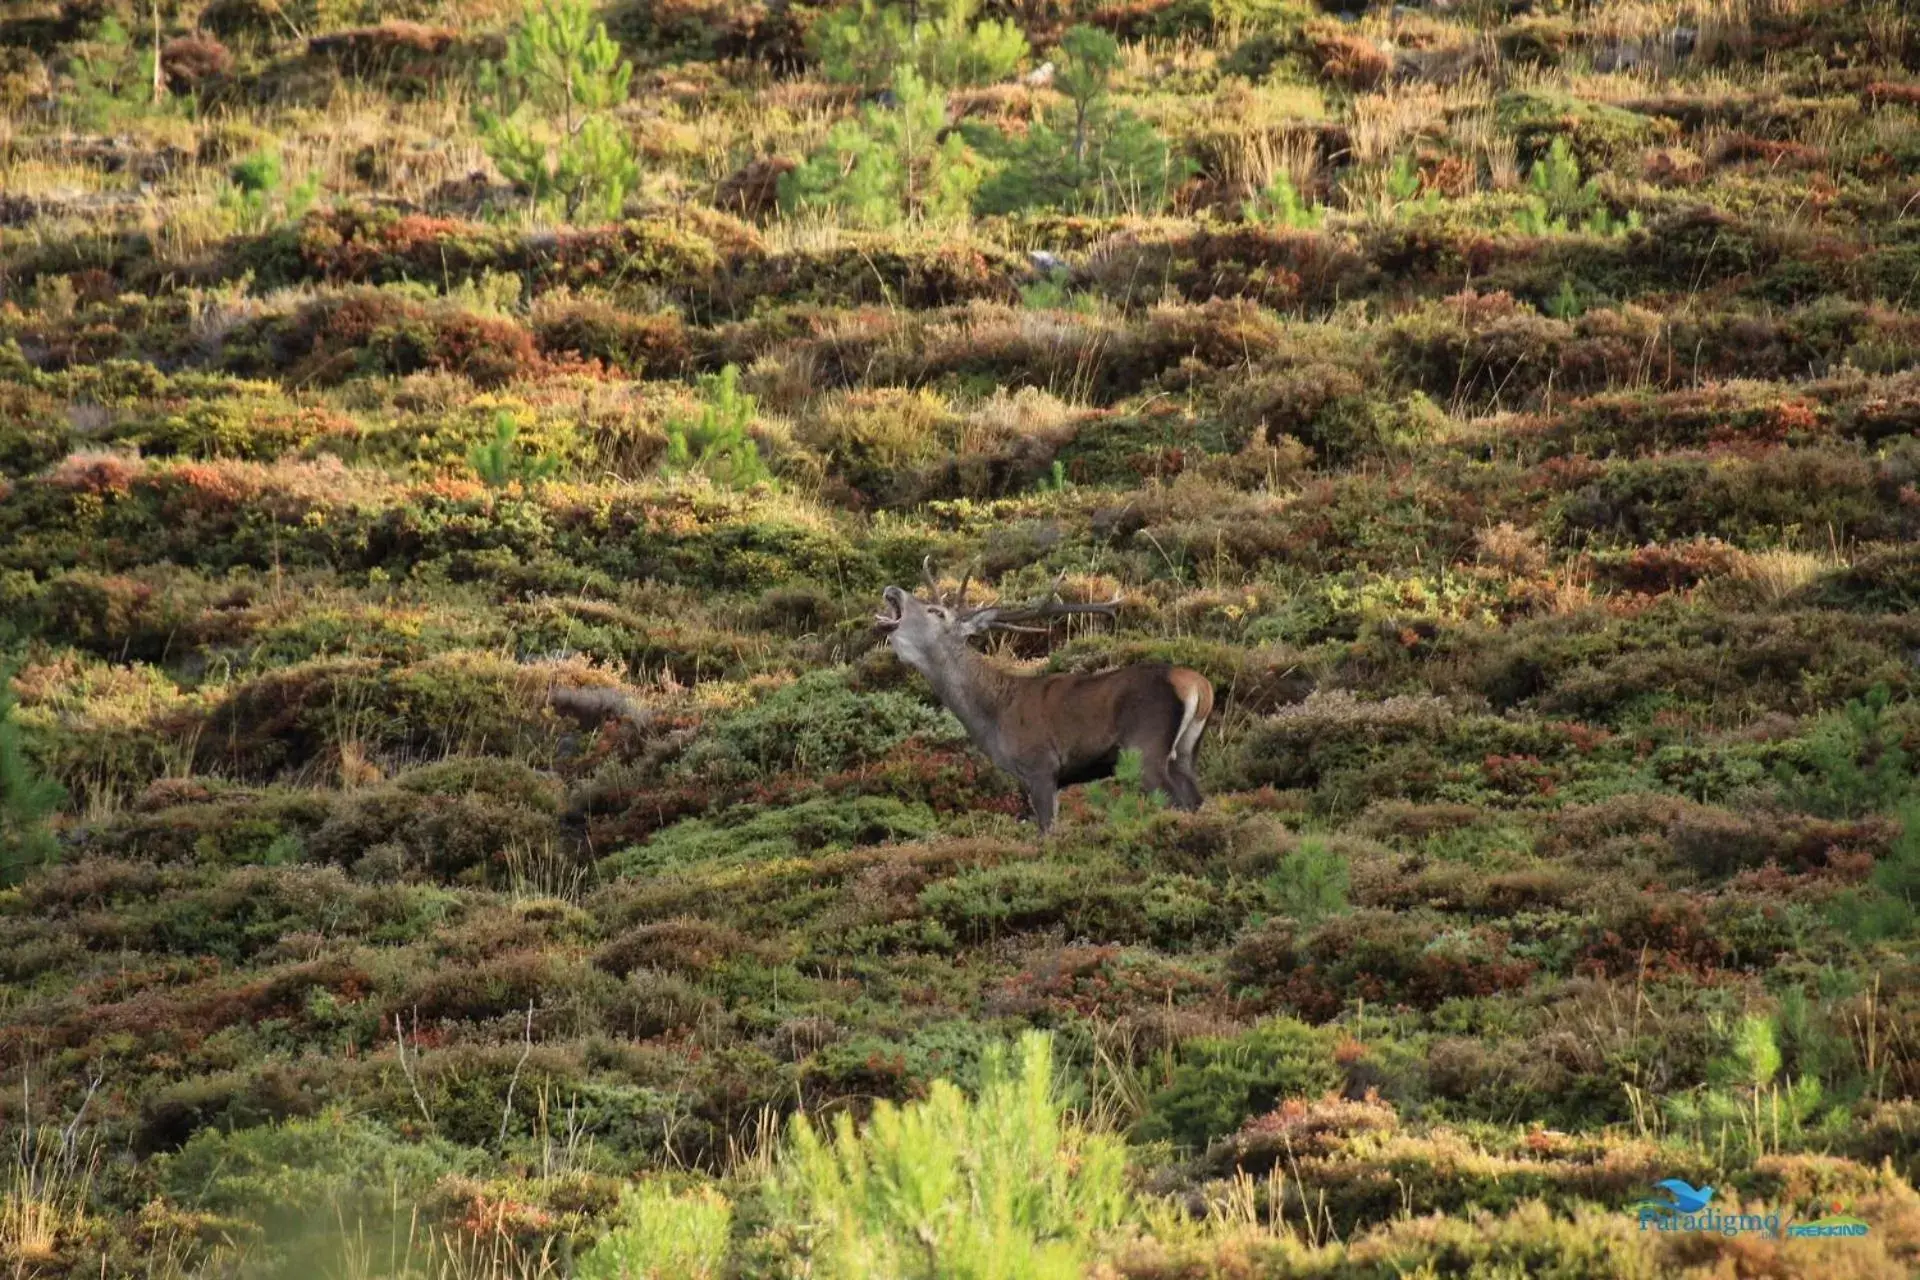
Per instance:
{"type": "Point", "coordinates": [959, 601]}
{"type": "Point", "coordinates": [1043, 608]}
{"type": "Point", "coordinates": [1047, 607]}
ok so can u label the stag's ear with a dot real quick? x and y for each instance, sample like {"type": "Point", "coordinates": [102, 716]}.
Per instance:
{"type": "Point", "coordinates": [977, 622]}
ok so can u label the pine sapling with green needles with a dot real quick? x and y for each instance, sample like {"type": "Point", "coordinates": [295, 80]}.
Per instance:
{"type": "Point", "coordinates": [1279, 204]}
{"type": "Point", "coordinates": [719, 443]}
{"type": "Point", "coordinates": [867, 43]}
{"type": "Point", "coordinates": [1310, 883]}
{"type": "Point", "coordinates": [502, 461]}
{"type": "Point", "coordinates": [545, 114]}
{"type": "Point", "coordinates": [260, 193]}
{"type": "Point", "coordinates": [1403, 180]}
{"type": "Point", "coordinates": [1123, 803]}
{"type": "Point", "coordinates": [1087, 156]}
{"type": "Point", "coordinates": [1002, 1187]}
{"type": "Point", "coordinates": [1560, 200]}
{"type": "Point", "coordinates": [1566, 304]}
{"type": "Point", "coordinates": [891, 164]}
{"type": "Point", "coordinates": [660, 1235]}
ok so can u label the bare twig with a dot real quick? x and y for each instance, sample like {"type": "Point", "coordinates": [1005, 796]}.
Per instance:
{"type": "Point", "coordinates": [526, 1051]}
{"type": "Point", "coordinates": [411, 1069]}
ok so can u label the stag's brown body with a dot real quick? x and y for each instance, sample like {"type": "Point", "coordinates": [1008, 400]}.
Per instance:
{"type": "Point", "coordinates": [1052, 731]}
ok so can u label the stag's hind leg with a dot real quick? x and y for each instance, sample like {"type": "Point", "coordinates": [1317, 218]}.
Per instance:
{"type": "Point", "coordinates": [1196, 706]}
{"type": "Point", "coordinates": [1186, 787]}
{"type": "Point", "coordinates": [1157, 774]}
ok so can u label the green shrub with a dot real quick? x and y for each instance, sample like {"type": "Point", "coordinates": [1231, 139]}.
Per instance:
{"type": "Point", "coordinates": [1089, 157]}
{"type": "Point", "coordinates": [1558, 201]}
{"type": "Point", "coordinates": [718, 444]}
{"type": "Point", "coordinates": [260, 192]}
{"type": "Point", "coordinates": [1219, 1082]}
{"type": "Point", "coordinates": [1005, 1185]}
{"type": "Point", "coordinates": [502, 461]}
{"type": "Point", "coordinates": [545, 118]}
{"type": "Point", "coordinates": [891, 163]}
{"type": "Point", "coordinates": [1889, 908]}
{"type": "Point", "coordinates": [750, 834]}
{"type": "Point", "coordinates": [1123, 802]}
{"type": "Point", "coordinates": [1310, 883]}
{"type": "Point", "coordinates": [1742, 1106]}
{"type": "Point", "coordinates": [1599, 133]}
{"type": "Point", "coordinates": [1854, 762]}
{"type": "Point", "coordinates": [26, 799]}
{"type": "Point", "coordinates": [986, 902]}
{"type": "Point", "coordinates": [866, 44]}
{"type": "Point", "coordinates": [1279, 204]}
{"type": "Point", "coordinates": [662, 1235]}
{"type": "Point", "coordinates": [112, 76]}
{"type": "Point", "coordinates": [300, 1171]}
{"type": "Point", "coordinates": [817, 724]}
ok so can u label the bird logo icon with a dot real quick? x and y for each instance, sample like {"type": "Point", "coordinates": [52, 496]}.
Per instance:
{"type": "Point", "coordinates": [1685, 1197]}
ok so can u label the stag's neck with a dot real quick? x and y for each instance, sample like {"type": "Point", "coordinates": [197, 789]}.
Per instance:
{"type": "Point", "coordinates": [975, 691]}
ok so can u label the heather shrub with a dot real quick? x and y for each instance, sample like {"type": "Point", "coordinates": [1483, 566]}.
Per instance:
{"type": "Point", "coordinates": [441, 836]}
{"type": "Point", "coordinates": [1599, 134]}
{"type": "Point", "coordinates": [640, 345]}
{"type": "Point", "coordinates": [987, 902]}
{"type": "Point", "coordinates": [815, 723]}
{"type": "Point", "coordinates": [287, 1175]}
{"type": "Point", "coordinates": [1509, 410]}
{"type": "Point", "coordinates": [753, 834]}
{"type": "Point", "coordinates": [1217, 1082]}
{"type": "Point", "coordinates": [870, 438]}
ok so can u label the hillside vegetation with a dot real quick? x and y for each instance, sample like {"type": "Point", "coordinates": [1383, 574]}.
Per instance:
{"type": "Point", "coordinates": [456, 817]}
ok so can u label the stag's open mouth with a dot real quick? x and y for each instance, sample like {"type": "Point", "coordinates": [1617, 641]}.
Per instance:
{"type": "Point", "coordinates": [889, 617]}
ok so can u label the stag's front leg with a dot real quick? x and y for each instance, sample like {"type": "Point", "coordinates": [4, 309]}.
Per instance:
{"type": "Point", "coordinates": [1043, 794]}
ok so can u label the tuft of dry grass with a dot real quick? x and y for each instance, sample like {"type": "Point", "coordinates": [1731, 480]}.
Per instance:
{"type": "Point", "coordinates": [45, 1188]}
{"type": "Point", "coordinates": [1779, 572]}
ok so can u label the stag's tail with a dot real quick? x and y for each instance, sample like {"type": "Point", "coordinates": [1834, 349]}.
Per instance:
{"type": "Point", "coordinates": [1196, 701]}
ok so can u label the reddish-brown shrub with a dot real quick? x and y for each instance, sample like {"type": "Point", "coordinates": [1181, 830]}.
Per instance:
{"type": "Point", "coordinates": [404, 49]}
{"type": "Point", "coordinates": [652, 345]}
{"type": "Point", "coordinates": [190, 61]}
{"type": "Point", "coordinates": [1883, 93]}
{"type": "Point", "coordinates": [678, 946]}
{"type": "Point", "coordinates": [753, 190]}
{"type": "Point", "coordinates": [1348, 60]}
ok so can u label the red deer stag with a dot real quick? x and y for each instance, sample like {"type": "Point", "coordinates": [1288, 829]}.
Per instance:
{"type": "Point", "coordinates": [1051, 731]}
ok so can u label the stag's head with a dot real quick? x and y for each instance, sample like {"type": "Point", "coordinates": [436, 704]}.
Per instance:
{"type": "Point", "coordinates": [924, 632]}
